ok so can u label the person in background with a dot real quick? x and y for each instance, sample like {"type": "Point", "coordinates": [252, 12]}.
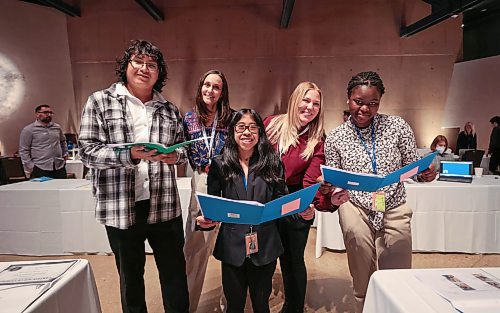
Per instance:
{"type": "Point", "coordinates": [42, 146]}
{"type": "Point", "coordinates": [494, 146]}
{"type": "Point", "coordinates": [467, 138]}
{"type": "Point", "coordinates": [298, 137]}
{"type": "Point", "coordinates": [375, 226]}
{"type": "Point", "coordinates": [209, 118]}
{"type": "Point", "coordinates": [136, 191]}
{"type": "Point", "coordinates": [440, 144]}
{"type": "Point", "coordinates": [248, 169]}
{"type": "Point", "coordinates": [346, 115]}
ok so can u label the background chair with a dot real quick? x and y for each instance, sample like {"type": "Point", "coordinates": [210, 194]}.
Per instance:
{"type": "Point", "coordinates": [11, 170]}
{"type": "Point", "coordinates": [475, 156]}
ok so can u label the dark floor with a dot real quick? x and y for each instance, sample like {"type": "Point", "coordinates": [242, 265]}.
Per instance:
{"type": "Point", "coordinates": [329, 284]}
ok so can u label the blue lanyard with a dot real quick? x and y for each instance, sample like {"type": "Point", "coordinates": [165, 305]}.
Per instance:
{"type": "Point", "coordinates": [373, 157]}
{"type": "Point", "coordinates": [244, 180]}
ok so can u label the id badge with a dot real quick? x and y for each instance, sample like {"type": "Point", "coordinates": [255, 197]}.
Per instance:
{"type": "Point", "coordinates": [378, 203]}
{"type": "Point", "coordinates": [251, 243]}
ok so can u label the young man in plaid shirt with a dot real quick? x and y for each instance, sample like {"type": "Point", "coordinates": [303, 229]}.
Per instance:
{"type": "Point", "coordinates": [136, 191]}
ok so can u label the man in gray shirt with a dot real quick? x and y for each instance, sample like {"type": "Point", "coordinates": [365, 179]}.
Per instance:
{"type": "Point", "coordinates": [42, 146]}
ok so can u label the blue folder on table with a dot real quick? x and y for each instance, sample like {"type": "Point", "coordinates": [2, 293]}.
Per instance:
{"type": "Point", "coordinates": [252, 212]}
{"type": "Point", "coordinates": [371, 182]}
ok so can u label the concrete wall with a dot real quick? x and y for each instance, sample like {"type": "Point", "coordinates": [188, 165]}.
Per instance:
{"type": "Point", "coordinates": [327, 42]}
{"type": "Point", "coordinates": [34, 58]}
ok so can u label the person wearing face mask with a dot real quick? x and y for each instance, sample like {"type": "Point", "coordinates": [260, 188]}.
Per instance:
{"type": "Point", "coordinates": [440, 144]}
{"type": "Point", "coordinates": [209, 118]}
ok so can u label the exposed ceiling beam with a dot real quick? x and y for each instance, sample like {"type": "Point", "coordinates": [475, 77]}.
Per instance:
{"type": "Point", "coordinates": [152, 9]}
{"type": "Point", "coordinates": [286, 14]}
{"type": "Point", "coordinates": [59, 5]}
{"type": "Point", "coordinates": [441, 10]}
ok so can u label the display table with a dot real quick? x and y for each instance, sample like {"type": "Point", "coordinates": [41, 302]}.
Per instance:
{"type": "Point", "coordinates": [57, 217]}
{"type": "Point", "coordinates": [447, 217]}
{"type": "Point", "coordinates": [75, 291]}
{"type": "Point", "coordinates": [399, 291]}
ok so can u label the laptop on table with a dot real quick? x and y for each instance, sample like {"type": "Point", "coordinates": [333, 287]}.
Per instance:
{"type": "Point", "coordinates": [452, 171]}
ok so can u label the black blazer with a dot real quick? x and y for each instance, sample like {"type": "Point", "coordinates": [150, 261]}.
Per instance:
{"type": "Point", "coordinates": [230, 245]}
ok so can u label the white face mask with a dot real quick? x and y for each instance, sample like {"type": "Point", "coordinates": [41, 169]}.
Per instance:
{"type": "Point", "coordinates": [440, 149]}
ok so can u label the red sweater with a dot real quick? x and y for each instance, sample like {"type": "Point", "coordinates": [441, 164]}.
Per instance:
{"type": "Point", "coordinates": [301, 173]}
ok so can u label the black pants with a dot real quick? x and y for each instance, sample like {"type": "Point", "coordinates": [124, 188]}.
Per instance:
{"type": "Point", "coordinates": [293, 267]}
{"type": "Point", "coordinates": [494, 160]}
{"type": "Point", "coordinates": [38, 172]}
{"type": "Point", "coordinates": [258, 279]}
{"type": "Point", "coordinates": [167, 241]}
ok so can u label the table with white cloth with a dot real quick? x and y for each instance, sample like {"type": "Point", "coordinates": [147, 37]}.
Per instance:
{"type": "Point", "coordinates": [75, 291]}
{"type": "Point", "coordinates": [400, 291]}
{"type": "Point", "coordinates": [57, 217]}
{"type": "Point", "coordinates": [75, 166]}
{"type": "Point", "coordinates": [447, 217]}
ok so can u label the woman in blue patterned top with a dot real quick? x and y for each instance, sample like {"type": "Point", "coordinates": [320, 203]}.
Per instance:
{"type": "Point", "coordinates": [209, 118]}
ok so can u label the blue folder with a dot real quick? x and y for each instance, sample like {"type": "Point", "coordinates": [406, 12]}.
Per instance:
{"type": "Point", "coordinates": [252, 212]}
{"type": "Point", "coordinates": [371, 182]}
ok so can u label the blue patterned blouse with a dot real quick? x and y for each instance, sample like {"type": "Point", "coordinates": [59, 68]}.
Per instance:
{"type": "Point", "coordinates": [198, 151]}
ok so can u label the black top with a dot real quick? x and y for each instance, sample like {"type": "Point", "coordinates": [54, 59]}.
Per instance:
{"type": "Point", "coordinates": [466, 141]}
{"type": "Point", "coordinates": [230, 245]}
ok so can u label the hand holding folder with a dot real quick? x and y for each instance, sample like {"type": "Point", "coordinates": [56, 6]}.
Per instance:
{"type": "Point", "coordinates": [148, 146]}
{"type": "Point", "coordinates": [252, 212]}
{"type": "Point", "coordinates": [372, 182]}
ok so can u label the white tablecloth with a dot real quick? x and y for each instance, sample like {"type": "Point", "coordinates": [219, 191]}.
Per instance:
{"type": "Point", "coordinates": [399, 291]}
{"type": "Point", "coordinates": [75, 166]}
{"type": "Point", "coordinates": [447, 217]}
{"type": "Point", "coordinates": [57, 217]}
{"type": "Point", "coordinates": [74, 292]}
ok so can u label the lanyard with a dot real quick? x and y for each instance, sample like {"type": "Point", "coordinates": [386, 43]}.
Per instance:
{"type": "Point", "coordinates": [244, 181]}
{"type": "Point", "coordinates": [373, 156]}
{"type": "Point", "coordinates": [212, 137]}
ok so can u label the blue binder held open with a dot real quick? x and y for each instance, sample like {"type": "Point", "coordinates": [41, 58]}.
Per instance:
{"type": "Point", "coordinates": [252, 212]}
{"type": "Point", "coordinates": [371, 182]}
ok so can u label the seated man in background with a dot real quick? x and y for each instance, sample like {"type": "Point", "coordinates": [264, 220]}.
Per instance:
{"type": "Point", "coordinates": [42, 146]}
{"type": "Point", "coordinates": [440, 144]}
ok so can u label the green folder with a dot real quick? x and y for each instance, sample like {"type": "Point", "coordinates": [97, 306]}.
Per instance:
{"type": "Point", "coordinates": [154, 146]}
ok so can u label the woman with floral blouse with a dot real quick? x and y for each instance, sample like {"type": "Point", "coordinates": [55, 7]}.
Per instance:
{"type": "Point", "coordinates": [375, 226]}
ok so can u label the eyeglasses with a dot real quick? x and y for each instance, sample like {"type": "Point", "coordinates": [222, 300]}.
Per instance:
{"type": "Point", "coordinates": [46, 112]}
{"type": "Point", "coordinates": [240, 128]}
{"type": "Point", "coordinates": [138, 64]}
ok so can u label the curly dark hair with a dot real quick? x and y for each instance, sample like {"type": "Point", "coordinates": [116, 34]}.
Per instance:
{"type": "Point", "coordinates": [268, 161]}
{"type": "Point", "coordinates": [142, 47]}
{"type": "Point", "coordinates": [370, 79]}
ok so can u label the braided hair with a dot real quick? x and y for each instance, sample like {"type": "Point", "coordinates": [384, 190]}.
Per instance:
{"type": "Point", "coordinates": [370, 79]}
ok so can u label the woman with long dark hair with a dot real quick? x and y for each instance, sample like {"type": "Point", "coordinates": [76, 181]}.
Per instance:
{"type": "Point", "coordinates": [208, 119]}
{"type": "Point", "coordinates": [248, 169]}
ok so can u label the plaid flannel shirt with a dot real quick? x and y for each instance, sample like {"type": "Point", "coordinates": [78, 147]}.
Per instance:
{"type": "Point", "coordinates": [106, 120]}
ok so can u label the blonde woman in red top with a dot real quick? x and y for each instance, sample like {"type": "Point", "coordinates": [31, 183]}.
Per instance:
{"type": "Point", "coordinates": [298, 137]}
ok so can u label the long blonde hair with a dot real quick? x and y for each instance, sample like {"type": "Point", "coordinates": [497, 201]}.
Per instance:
{"type": "Point", "coordinates": [283, 130]}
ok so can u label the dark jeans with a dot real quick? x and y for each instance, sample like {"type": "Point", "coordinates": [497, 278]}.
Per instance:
{"type": "Point", "coordinates": [258, 279]}
{"type": "Point", "coordinates": [167, 241]}
{"type": "Point", "coordinates": [293, 267]}
{"type": "Point", "coordinates": [38, 172]}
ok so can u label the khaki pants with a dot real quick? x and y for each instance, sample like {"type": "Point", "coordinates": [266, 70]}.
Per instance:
{"type": "Point", "coordinates": [369, 250]}
{"type": "Point", "coordinates": [199, 244]}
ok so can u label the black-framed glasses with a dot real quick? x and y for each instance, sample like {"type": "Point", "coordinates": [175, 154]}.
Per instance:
{"type": "Point", "coordinates": [240, 128]}
{"type": "Point", "coordinates": [46, 112]}
{"type": "Point", "coordinates": [138, 64]}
